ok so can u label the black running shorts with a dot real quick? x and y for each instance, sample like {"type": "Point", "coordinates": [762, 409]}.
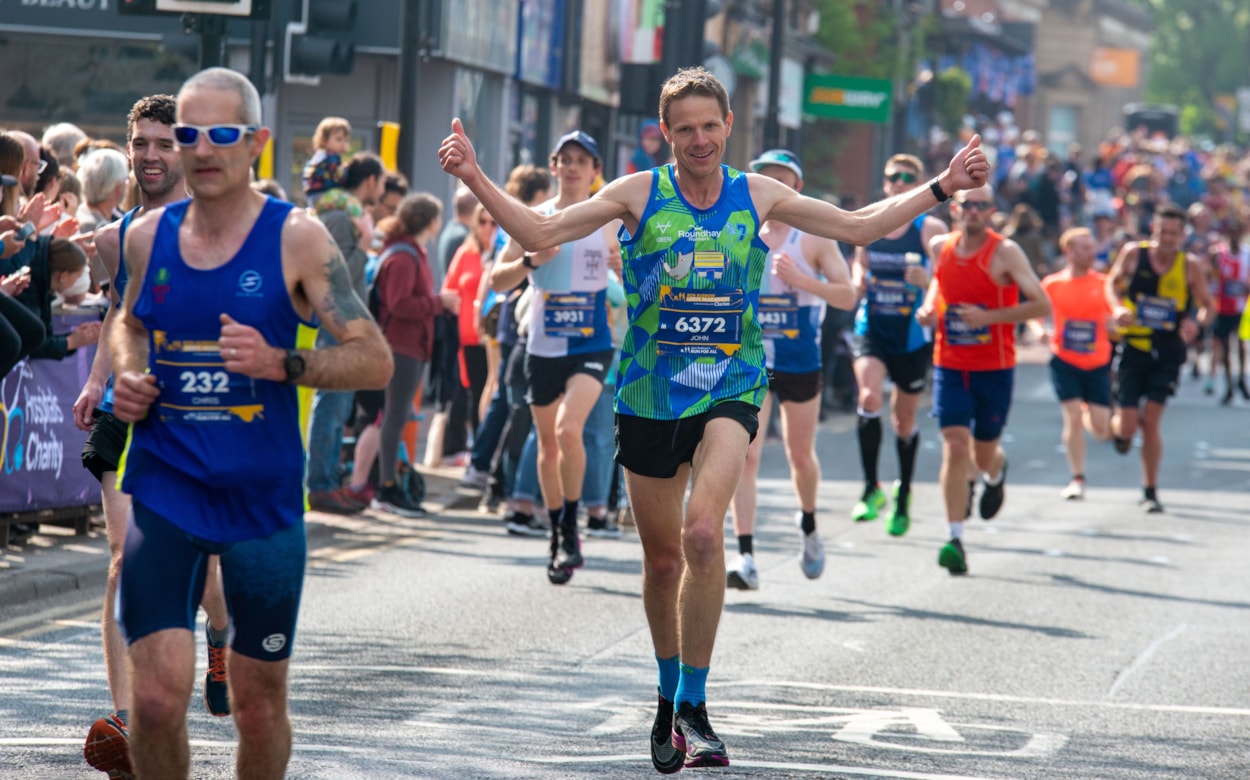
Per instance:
{"type": "Point", "coordinates": [657, 448]}
{"type": "Point", "coordinates": [907, 370]}
{"type": "Point", "coordinates": [548, 376]}
{"type": "Point", "coordinates": [105, 444]}
{"type": "Point", "coordinates": [795, 388]}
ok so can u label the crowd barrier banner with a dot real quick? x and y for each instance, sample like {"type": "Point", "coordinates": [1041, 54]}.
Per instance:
{"type": "Point", "coordinates": [41, 457]}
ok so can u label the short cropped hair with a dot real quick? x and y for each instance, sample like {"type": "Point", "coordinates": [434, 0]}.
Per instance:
{"type": "Point", "coordinates": [158, 108]}
{"type": "Point", "coordinates": [908, 160]}
{"type": "Point", "coordinates": [101, 171]}
{"type": "Point", "coordinates": [61, 139]}
{"type": "Point", "coordinates": [689, 82]}
{"type": "Point", "coordinates": [1171, 211]}
{"type": "Point", "coordinates": [1070, 235]}
{"type": "Point", "coordinates": [228, 81]}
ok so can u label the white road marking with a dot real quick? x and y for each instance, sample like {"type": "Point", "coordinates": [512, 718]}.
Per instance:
{"type": "Point", "coordinates": [1143, 657]}
{"type": "Point", "coordinates": [827, 769]}
{"type": "Point", "coordinates": [1000, 697]}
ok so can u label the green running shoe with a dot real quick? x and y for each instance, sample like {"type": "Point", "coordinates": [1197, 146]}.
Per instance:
{"type": "Point", "coordinates": [952, 557]}
{"type": "Point", "coordinates": [900, 519]}
{"type": "Point", "coordinates": [869, 504]}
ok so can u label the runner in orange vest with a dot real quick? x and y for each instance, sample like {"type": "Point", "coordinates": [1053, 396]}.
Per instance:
{"type": "Point", "coordinates": [974, 302]}
{"type": "Point", "coordinates": [1080, 366]}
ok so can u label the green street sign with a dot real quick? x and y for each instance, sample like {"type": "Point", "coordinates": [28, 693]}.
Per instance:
{"type": "Point", "coordinates": [847, 97]}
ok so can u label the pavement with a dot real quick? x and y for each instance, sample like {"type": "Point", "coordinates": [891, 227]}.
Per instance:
{"type": "Point", "coordinates": [57, 560]}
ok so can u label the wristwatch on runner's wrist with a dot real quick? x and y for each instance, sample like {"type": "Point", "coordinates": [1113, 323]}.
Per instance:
{"type": "Point", "coordinates": [293, 365]}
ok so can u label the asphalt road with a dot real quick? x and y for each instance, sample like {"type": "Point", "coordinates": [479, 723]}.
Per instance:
{"type": "Point", "coordinates": [1089, 641]}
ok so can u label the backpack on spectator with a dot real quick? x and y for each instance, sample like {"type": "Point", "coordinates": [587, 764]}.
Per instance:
{"type": "Point", "coordinates": [375, 301]}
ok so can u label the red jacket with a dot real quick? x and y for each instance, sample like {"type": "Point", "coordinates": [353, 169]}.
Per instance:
{"type": "Point", "coordinates": [408, 301]}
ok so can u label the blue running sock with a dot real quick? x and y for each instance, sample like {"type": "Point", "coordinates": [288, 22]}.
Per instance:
{"type": "Point", "coordinates": [691, 687]}
{"type": "Point", "coordinates": [670, 670]}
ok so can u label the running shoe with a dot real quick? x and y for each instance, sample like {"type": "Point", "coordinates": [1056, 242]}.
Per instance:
{"type": "Point", "coordinates": [1227, 399]}
{"type": "Point", "coordinates": [992, 496]}
{"type": "Point", "coordinates": [108, 747]}
{"type": "Point", "coordinates": [1208, 386]}
{"type": "Point", "coordinates": [603, 528]}
{"type": "Point", "coordinates": [952, 557]}
{"type": "Point", "coordinates": [1241, 386]}
{"type": "Point", "coordinates": [364, 496]}
{"type": "Point", "coordinates": [1074, 491]}
{"type": "Point", "coordinates": [869, 504]}
{"type": "Point", "coordinates": [335, 502]}
{"type": "Point", "coordinates": [557, 572]}
{"type": "Point", "coordinates": [570, 550]}
{"type": "Point", "coordinates": [900, 518]}
{"type": "Point", "coordinates": [526, 525]}
{"type": "Point", "coordinates": [743, 575]}
{"type": "Point", "coordinates": [812, 557]}
{"type": "Point", "coordinates": [1122, 445]}
{"type": "Point", "coordinates": [1151, 505]}
{"type": "Point", "coordinates": [693, 736]}
{"type": "Point", "coordinates": [216, 689]}
{"type": "Point", "coordinates": [392, 498]}
{"type": "Point", "coordinates": [664, 757]}
{"type": "Point", "coordinates": [972, 495]}
{"type": "Point", "coordinates": [475, 479]}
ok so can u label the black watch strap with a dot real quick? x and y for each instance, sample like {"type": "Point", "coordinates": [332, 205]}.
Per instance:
{"type": "Point", "coordinates": [293, 365]}
{"type": "Point", "coordinates": [527, 260]}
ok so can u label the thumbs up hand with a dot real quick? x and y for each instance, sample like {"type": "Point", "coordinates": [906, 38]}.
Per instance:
{"type": "Point", "coordinates": [456, 154]}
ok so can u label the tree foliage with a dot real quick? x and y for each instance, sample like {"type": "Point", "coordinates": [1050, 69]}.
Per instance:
{"type": "Point", "coordinates": [861, 35]}
{"type": "Point", "coordinates": [1201, 52]}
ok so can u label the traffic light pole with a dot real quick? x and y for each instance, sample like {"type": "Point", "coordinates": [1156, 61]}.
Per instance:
{"type": "Point", "coordinates": [411, 50]}
{"type": "Point", "coordinates": [212, 29]}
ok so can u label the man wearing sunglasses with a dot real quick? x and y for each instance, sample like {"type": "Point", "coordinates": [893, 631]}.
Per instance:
{"type": "Point", "coordinates": [974, 301]}
{"type": "Point", "coordinates": [692, 370]}
{"type": "Point", "coordinates": [213, 336]}
{"type": "Point", "coordinates": [157, 167]}
{"type": "Point", "coordinates": [891, 275]}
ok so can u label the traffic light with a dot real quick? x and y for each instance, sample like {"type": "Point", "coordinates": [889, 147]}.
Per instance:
{"type": "Point", "coordinates": [254, 9]}
{"type": "Point", "coordinates": [319, 42]}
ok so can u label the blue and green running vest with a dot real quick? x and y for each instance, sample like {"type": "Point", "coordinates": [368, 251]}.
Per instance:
{"type": "Point", "coordinates": [692, 285]}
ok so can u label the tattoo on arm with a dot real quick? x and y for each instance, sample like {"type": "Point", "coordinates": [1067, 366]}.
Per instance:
{"type": "Point", "coordinates": [341, 302]}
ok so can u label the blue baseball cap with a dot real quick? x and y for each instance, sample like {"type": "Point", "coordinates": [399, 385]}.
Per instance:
{"type": "Point", "coordinates": [581, 139]}
{"type": "Point", "coordinates": [783, 157]}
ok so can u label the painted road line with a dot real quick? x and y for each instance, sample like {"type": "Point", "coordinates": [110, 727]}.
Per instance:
{"type": "Point", "coordinates": [998, 697]}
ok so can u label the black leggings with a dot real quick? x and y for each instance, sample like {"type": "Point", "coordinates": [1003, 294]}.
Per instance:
{"type": "Point", "coordinates": [21, 333]}
{"type": "Point", "coordinates": [462, 416]}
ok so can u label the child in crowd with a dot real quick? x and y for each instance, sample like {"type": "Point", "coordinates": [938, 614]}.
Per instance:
{"type": "Point", "coordinates": [325, 173]}
{"type": "Point", "coordinates": [326, 170]}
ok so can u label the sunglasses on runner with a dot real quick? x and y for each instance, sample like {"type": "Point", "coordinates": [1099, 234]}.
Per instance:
{"type": "Point", "coordinates": [218, 135]}
{"type": "Point", "coordinates": [905, 177]}
{"type": "Point", "coordinates": [976, 205]}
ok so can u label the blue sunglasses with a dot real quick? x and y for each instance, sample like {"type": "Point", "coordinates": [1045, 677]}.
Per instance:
{"type": "Point", "coordinates": [218, 135]}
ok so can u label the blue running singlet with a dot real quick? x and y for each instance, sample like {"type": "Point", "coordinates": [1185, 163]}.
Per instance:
{"type": "Point", "coordinates": [119, 284]}
{"type": "Point", "coordinates": [887, 313]}
{"type": "Point", "coordinates": [220, 455]}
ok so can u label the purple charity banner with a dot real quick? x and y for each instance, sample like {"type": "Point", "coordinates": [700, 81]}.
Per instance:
{"type": "Point", "coordinates": [41, 458]}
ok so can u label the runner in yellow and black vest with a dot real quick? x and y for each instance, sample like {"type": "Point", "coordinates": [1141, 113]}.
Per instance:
{"type": "Point", "coordinates": [1152, 289]}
